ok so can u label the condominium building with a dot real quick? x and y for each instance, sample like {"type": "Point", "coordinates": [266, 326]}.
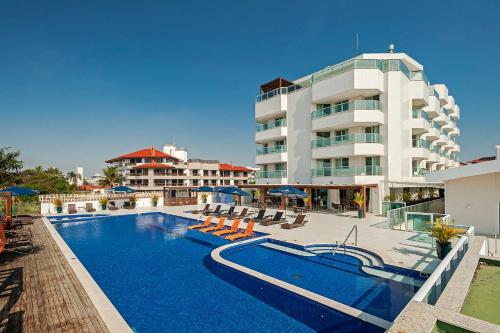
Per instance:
{"type": "Point", "coordinates": [375, 120]}
{"type": "Point", "coordinates": [151, 169]}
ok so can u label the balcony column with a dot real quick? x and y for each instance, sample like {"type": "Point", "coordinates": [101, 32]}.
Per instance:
{"type": "Point", "coordinates": [363, 192]}
{"type": "Point", "coordinates": [262, 197]}
{"type": "Point", "coordinates": [309, 198]}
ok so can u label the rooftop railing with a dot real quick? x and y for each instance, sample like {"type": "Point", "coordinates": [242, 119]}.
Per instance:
{"type": "Point", "coordinates": [349, 171]}
{"type": "Point", "coordinates": [271, 174]}
{"type": "Point", "coordinates": [348, 138]}
{"type": "Point", "coordinates": [271, 150]}
{"type": "Point", "coordinates": [347, 106]}
{"type": "Point", "coordinates": [270, 125]}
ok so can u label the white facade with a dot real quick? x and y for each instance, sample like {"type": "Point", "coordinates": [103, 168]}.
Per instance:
{"type": "Point", "coordinates": [152, 170]}
{"type": "Point", "coordinates": [472, 194]}
{"type": "Point", "coordinates": [373, 119]}
{"type": "Point", "coordinates": [79, 176]}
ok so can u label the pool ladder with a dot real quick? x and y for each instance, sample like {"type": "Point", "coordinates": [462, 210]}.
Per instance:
{"type": "Point", "coordinates": [343, 244]}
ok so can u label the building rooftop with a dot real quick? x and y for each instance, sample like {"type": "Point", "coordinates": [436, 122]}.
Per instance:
{"type": "Point", "coordinates": [144, 153]}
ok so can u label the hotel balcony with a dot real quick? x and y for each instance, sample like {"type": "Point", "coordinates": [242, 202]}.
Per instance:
{"type": "Point", "coordinates": [350, 175]}
{"type": "Point", "coordinates": [271, 105]}
{"type": "Point", "coordinates": [271, 154]}
{"type": "Point", "coordinates": [454, 131]}
{"type": "Point", "coordinates": [270, 131]}
{"type": "Point", "coordinates": [271, 177]}
{"type": "Point", "coordinates": [419, 122]}
{"type": "Point", "coordinates": [419, 92]}
{"type": "Point", "coordinates": [348, 79]}
{"type": "Point", "coordinates": [359, 144]}
{"type": "Point", "coordinates": [418, 172]}
{"type": "Point", "coordinates": [349, 114]}
{"type": "Point", "coordinates": [442, 90]}
{"type": "Point", "coordinates": [442, 140]}
{"type": "Point", "coordinates": [420, 149]}
{"type": "Point", "coordinates": [434, 106]}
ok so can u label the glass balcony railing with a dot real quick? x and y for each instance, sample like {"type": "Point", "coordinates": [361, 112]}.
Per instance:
{"type": "Point", "coordinates": [436, 125]}
{"type": "Point", "coordinates": [419, 113]}
{"type": "Point", "coordinates": [347, 106]}
{"type": "Point", "coordinates": [433, 92]}
{"type": "Point", "coordinates": [435, 150]}
{"type": "Point", "coordinates": [270, 125]}
{"type": "Point", "coordinates": [348, 138]}
{"type": "Point", "coordinates": [374, 170]}
{"type": "Point", "coordinates": [419, 76]}
{"type": "Point", "coordinates": [420, 172]}
{"type": "Point", "coordinates": [271, 150]}
{"type": "Point", "coordinates": [271, 174]}
{"type": "Point", "coordinates": [419, 143]}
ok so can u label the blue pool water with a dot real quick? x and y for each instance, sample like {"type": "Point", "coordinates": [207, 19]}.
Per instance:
{"type": "Point", "coordinates": [160, 277]}
{"type": "Point", "coordinates": [341, 279]}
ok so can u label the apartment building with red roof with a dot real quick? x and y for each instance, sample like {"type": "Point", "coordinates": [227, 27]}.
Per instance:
{"type": "Point", "coordinates": [151, 169]}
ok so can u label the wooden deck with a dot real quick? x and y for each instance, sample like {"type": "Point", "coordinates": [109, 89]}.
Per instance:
{"type": "Point", "coordinates": [39, 292]}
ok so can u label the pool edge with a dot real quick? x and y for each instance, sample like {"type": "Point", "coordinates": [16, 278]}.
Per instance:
{"type": "Point", "coordinates": [335, 305]}
{"type": "Point", "coordinates": [109, 314]}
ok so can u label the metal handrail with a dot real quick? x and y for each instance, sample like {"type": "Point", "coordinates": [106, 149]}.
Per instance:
{"type": "Point", "coordinates": [354, 228]}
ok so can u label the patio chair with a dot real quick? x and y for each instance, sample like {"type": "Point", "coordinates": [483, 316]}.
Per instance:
{"type": "Point", "coordinates": [240, 215]}
{"type": "Point", "coordinates": [299, 222]}
{"type": "Point", "coordinates": [72, 209]}
{"type": "Point", "coordinates": [247, 233]}
{"type": "Point", "coordinates": [89, 207]}
{"type": "Point", "coordinates": [112, 205]}
{"type": "Point", "coordinates": [205, 224]}
{"type": "Point", "coordinates": [230, 211]}
{"type": "Point", "coordinates": [277, 219]}
{"type": "Point", "coordinates": [219, 226]}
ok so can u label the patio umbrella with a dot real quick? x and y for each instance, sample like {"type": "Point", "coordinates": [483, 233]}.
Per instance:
{"type": "Point", "coordinates": [204, 189]}
{"type": "Point", "coordinates": [20, 191]}
{"type": "Point", "coordinates": [232, 190]}
{"type": "Point", "coordinates": [121, 189]}
{"type": "Point", "coordinates": [287, 191]}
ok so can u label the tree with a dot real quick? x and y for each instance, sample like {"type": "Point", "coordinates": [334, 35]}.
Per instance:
{"type": "Point", "coordinates": [51, 180]}
{"type": "Point", "coordinates": [111, 177]}
{"type": "Point", "coordinates": [10, 166]}
{"type": "Point", "coordinates": [73, 177]}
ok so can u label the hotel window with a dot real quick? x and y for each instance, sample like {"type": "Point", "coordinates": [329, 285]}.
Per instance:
{"type": "Point", "coordinates": [372, 130]}
{"type": "Point", "coordinates": [372, 164]}
{"type": "Point", "coordinates": [323, 135]}
{"type": "Point", "coordinates": [341, 135]}
{"type": "Point", "coordinates": [373, 98]}
{"type": "Point", "coordinates": [342, 163]}
{"type": "Point", "coordinates": [279, 143]}
{"type": "Point", "coordinates": [342, 106]}
{"type": "Point", "coordinates": [279, 166]}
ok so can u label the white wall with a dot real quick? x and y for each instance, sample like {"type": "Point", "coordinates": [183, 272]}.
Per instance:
{"type": "Point", "coordinates": [475, 201]}
{"type": "Point", "coordinates": [49, 208]}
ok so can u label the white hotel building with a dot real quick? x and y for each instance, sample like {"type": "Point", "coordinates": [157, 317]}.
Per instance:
{"type": "Point", "coordinates": [372, 120]}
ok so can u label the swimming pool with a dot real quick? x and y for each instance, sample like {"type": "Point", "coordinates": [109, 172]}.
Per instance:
{"type": "Point", "coordinates": [160, 277]}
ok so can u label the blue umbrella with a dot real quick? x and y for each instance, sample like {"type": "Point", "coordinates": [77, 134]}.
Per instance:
{"type": "Point", "coordinates": [232, 190]}
{"type": "Point", "coordinates": [20, 191]}
{"type": "Point", "coordinates": [124, 189]}
{"type": "Point", "coordinates": [204, 189]}
{"type": "Point", "coordinates": [288, 191]}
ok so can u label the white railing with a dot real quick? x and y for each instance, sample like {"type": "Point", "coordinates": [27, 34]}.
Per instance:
{"type": "Point", "coordinates": [435, 284]}
{"type": "Point", "coordinates": [49, 198]}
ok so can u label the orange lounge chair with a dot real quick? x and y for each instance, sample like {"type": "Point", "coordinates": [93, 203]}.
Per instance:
{"type": "Point", "coordinates": [232, 230]}
{"type": "Point", "coordinates": [201, 225]}
{"type": "Point", "coordinates": [219, 226]}
{"type": "Point", "coordinates": [247, 233]}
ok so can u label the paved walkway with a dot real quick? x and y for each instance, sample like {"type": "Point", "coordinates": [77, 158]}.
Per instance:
{"type": "Point", "coordinates": [40, 293]}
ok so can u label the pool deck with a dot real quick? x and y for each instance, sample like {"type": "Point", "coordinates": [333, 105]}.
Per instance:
{"type": "Point", "coordinates": [41, 293]}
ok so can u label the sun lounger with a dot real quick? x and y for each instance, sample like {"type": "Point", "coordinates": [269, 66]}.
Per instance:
{"type": "Point", "coordinates": [230, 211]}
{"type": "Point", "coordinates": [112, 205]}
{"type": "Point", "coordinates": [299, 222]}
{"type": "Point", "coordinates": [72, 209]}
{"type": "Point", "coordinates": [201, 225]}
{"type": "Point", "coordinates": [232, 230]}
{"type": "Point", "coordinates": [240, 215]}
{"type": "Point", "coordinates": [200, 211]}
{"type": "Point", "coordinates": [247, 233]}
{"type": "Point", "coordinates": [89, 207]}
{"type": "Point", "coordinates": [219, 226]}
{"type": "Point", "coordinates": [259, 217]}
{"type": "Point", "coordinates": [16, 245]}
{"type": "Point", "coordinates": [212, 212]}
{"type": "Point", "coordinates": [275, 220]}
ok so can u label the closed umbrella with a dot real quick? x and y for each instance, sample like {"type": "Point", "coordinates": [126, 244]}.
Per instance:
{"type": "Point", "coordinates": [287, 191]}
{"type": "Point", "coordinates": [121, 189]}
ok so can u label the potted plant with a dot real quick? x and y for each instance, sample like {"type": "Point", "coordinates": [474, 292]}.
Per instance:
{"type": "Point", "coordinates": [104, 203]}
{"type": "Point", "coordinates": [133, 200]}
{"type": "Point", "coordinates": [58, 203]}
{"type": "Point", "coordinates": [204, 198]}
{"type": "Point", "coordinates": [359, 200]}
{"type": "Point", "coordinates": [407, 197]}
{"type": "Point", "coordinates": [155, 198]}
{"type": "Point", "coordinates": [443, 233]}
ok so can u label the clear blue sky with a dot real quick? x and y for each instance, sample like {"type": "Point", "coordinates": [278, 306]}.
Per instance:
{"type": "Point", "coordinates": [81, 82]}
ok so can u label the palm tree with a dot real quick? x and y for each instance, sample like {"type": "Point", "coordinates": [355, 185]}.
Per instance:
{"type": "Point", "coordinates": [111, 177]}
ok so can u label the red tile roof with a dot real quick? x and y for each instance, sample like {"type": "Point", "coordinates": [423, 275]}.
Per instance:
{"type": "Point", "coordinates": [481, 159]}
{"type": "Point", "coordinates": [153, 166]}
{"type": "Point", "coordinates": [229, 167]}
{"type": "Point", "coordinates": [143, 153]}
